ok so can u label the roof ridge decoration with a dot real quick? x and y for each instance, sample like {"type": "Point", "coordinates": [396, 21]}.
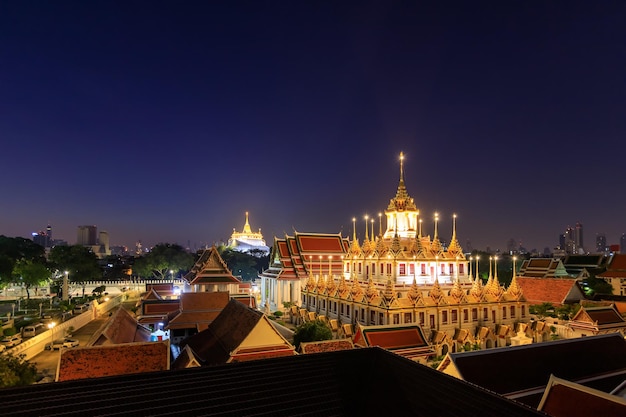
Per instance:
{"type": "Point", "coordinates": [371, 290]}
{"type": "Point", "coordinates": [515, 290]}
{"type": "Point", "coordinates": [332, 286]}
{"type": "Point", "coordinates": [342, 289]}
{"type": "Point", "coordinates": [435, 292]}
{"type": "Point", "coordinates": [381, 247]}
{"type": "Point", "coordinates": [414, 294]}
{"type": "Point", "coordinates": [395, 244]}
{"type": "Point", "coordinates": [454, 248]}
{"type": "Point", "coordinates": [402, 201]}
{"type": "Point", "coordinates": [355, 289]}
{"type": "Point", "coordinates": [389, 293]}
{"type": "Point", "coordinates": [321, 284]}
{"type": "Point", "coordinates": [477, 288]}
{"type": "Point", "coordinates": [457, 293]}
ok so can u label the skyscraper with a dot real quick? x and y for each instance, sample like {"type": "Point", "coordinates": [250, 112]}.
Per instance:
{"type": "Point", "coordinates": [87, 235]}
{"type": "Point", "coordinates": [600, 242]}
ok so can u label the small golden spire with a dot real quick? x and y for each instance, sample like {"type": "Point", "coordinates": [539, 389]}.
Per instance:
{"type": "Point", "coordinates": [366, 219]}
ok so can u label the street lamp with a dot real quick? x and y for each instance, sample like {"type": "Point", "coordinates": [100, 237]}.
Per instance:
{"type": "Point", "coordinates": [172, 274]}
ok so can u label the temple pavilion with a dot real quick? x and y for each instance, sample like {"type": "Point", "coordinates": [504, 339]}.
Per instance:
{"type": "Point", "coordinates": [397, 276]}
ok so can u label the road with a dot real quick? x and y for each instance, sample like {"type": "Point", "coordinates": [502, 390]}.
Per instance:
{"type": "Point", "coordinates": [47, 361]}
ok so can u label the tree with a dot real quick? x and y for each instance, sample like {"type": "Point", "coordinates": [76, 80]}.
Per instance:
{"type": "Point", "coordinates": [79, 261]}
{"type": "Point", "coordinates": [241, 263]}
{"type": "Point", "coordinates": [14, 371]}
{"type": "Point", "coordinates": [30, 274]}
{"type": "Point", "coordinates": [311, 331]}
{"type": "Point", "coordinates": [162, 259]}
{"type": "Point", "coordinates": [14, 249]}
{"type": "Point", "coordinates": [543, 310]}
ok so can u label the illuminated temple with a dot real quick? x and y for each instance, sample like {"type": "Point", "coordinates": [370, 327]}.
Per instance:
{"type": "Point", "coordinates": [247, 240]}
{"type": "Point", "coordinates": [398, 276]}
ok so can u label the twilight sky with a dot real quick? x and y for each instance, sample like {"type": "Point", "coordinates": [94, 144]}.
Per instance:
{"type": "Point", "coordinates": [165, 121]}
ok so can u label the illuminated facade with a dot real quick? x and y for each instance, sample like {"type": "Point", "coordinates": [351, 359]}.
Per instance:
{"type": "Point", "coordinates": [247, 240]}
{"type": "Point", "coordinates": [399, 277]}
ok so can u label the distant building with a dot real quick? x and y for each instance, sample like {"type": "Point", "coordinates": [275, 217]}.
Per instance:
{"type": "Point", "coordinates": [622, 243]}
{"type": "Point", "coordinates": [247, 240]}
{"type": "Point", "coordinates": [87, 236]}
{"type": "Point", "coordinates": [600, 243]}
{"type": "Point", "coordinates": [43, 238]}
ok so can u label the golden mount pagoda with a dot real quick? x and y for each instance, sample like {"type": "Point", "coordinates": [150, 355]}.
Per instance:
{"type": "Point", "coordinates": [247, 240]}
{"type": "Point", "coordinates": [398, 277]}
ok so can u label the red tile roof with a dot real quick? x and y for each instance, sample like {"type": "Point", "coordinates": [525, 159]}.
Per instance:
{"type": "Point", "coordinates": [198, 309]}
{"type": "Point", "coordinates": [567, 399]}
{"type": "Point", "coordinates": [405, 340]}
{"type": "Point", "coordinates": [120, 328]}
{"type": "Point", "coordinates": [326, 346]}
{"type": "Point", "coordinates": [124, 359]}
{"type": "Point", "coordinates": [549, 290]}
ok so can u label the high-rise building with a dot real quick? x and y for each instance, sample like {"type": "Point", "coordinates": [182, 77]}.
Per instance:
{"type": "Point", "coordinates": [572, 240]}
{"type": "Point", "coordinates": [87, 235]}
{"type": "Point", "coordinates": [622, 243]}
{"type": "Point", "coordinates": [578, 238]}
{"type": "Point", "coordinates": [600, 242]}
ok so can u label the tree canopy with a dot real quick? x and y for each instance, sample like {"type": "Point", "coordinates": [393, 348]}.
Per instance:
{"type": "Point", "coordinates": [14, 371]}
{"type": "Point", "coordinates": [30, 274]}
{"type": "Point", "coordinates": [246, 265]}
{"type": "Point", "coordinates": [162, 259]}
{"type": "Point", "coordinates": [14, 250]}
{"type": "Point", "coordinates": [311, 331]}
{"type": "Point", "coordinates": [80, 262]}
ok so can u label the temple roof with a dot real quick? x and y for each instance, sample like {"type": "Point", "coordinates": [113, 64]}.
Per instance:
{"type": "Point", "coordinates": [573, 359]}
{"type": "Point", "coordinates": [228, 337]}
{"type": "Point", "coordinates": [563, 398]}
{"type": "Point", "coordinates": [404, 340]}
{"type": "Point", "coordinates": [198, 309]}
{"type": "Point", "coordinates": [210, 268]}
{"type": "Point", "coordinates": [557, 291]}
{"type": "Point", "coordinates": [124, 359]}
{"type": "Point", "coordinates": [302, 385]}
{"type": "Point", "coordinates": [121, 327]}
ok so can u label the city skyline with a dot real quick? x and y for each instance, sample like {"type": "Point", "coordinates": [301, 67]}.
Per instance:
{"type": "Point", "coordinates": [167, 123]}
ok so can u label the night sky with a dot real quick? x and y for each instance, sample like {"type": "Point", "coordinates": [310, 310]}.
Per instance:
{"type": "Point", "coordinates": [167, 121]}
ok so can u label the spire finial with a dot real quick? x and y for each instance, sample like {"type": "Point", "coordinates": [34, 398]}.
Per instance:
{"type": "Point", "coordinates": [246, 227]}
{"type": "Point", "coordinates": [402, 166]}
{"type": "Point", "coordinates": [380, 223]}
{"type": "Point", "coordinates": [366, 219]}
{"type": "Point", "coordinates": [354, 228]}
{"type": "Point", "coordinates": [436, 221]}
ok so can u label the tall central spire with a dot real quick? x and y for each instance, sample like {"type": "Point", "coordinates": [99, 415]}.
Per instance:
{"type": "Point", "coordinates": [402, 201]}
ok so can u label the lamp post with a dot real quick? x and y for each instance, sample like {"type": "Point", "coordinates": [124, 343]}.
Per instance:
{"type": "Point", "coordinates": [66, 286]}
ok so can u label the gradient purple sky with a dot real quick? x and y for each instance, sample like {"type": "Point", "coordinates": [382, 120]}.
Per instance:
{"type": "Point", "coordinates": [166, 121]}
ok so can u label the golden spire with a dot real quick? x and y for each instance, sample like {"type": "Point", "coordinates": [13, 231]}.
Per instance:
{"type": "Point", "coordinates": [402, 201]}
{"type": "Point", "coordinates": [366, 219]}
{"type": "Point", "coordinates": [354, 228]}
{"type": "Point", "coordinates": [246, 227]}
{"type": "Point", "coordinates": [454, 247]}
{"type": "Point", "coordinates": [380, 224]}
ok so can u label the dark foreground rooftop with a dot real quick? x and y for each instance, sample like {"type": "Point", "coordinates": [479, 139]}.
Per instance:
{"type": "Point", "coordinates": [369, 381]}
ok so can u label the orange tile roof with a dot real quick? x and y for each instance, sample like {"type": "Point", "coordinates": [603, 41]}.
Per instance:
{"type": "Point", "coordinates": [326, 346]}
{"type": "Point", "coordinates": [124, 359]}
{"type": "Point", "coordinates": [120, 328]}
{"type": "Point", "coordinates": [547, 290]}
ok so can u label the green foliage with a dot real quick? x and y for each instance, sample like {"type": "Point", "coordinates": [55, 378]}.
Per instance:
{"type": "Point", "coordinates": [567, 311]}
{"type": "Point", "coordinates": [246, 265]}
{"type": "Point", "coordinates": [543, 310]}
{"type": "Point", "coordinates": [99, 290]}
{"type": "Point", "coordinates": [30, 273]}
{"type": "Point", "coordinates": [15, 249]}
{"type": "Point", "coordinates": [278, 313]}
{"type": "Point", "coordinates": [162, 259]}
{"type": "Point", "coordinates": [311, 331]}
{"type": "Point", "coordinates": [80, 262]}
{"type": "Point", "coordinates": [594, 285]}
{"type": "Point", "coordinates": [436, 361]}
{"type": "Point", "coordinates": [15, 371]}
